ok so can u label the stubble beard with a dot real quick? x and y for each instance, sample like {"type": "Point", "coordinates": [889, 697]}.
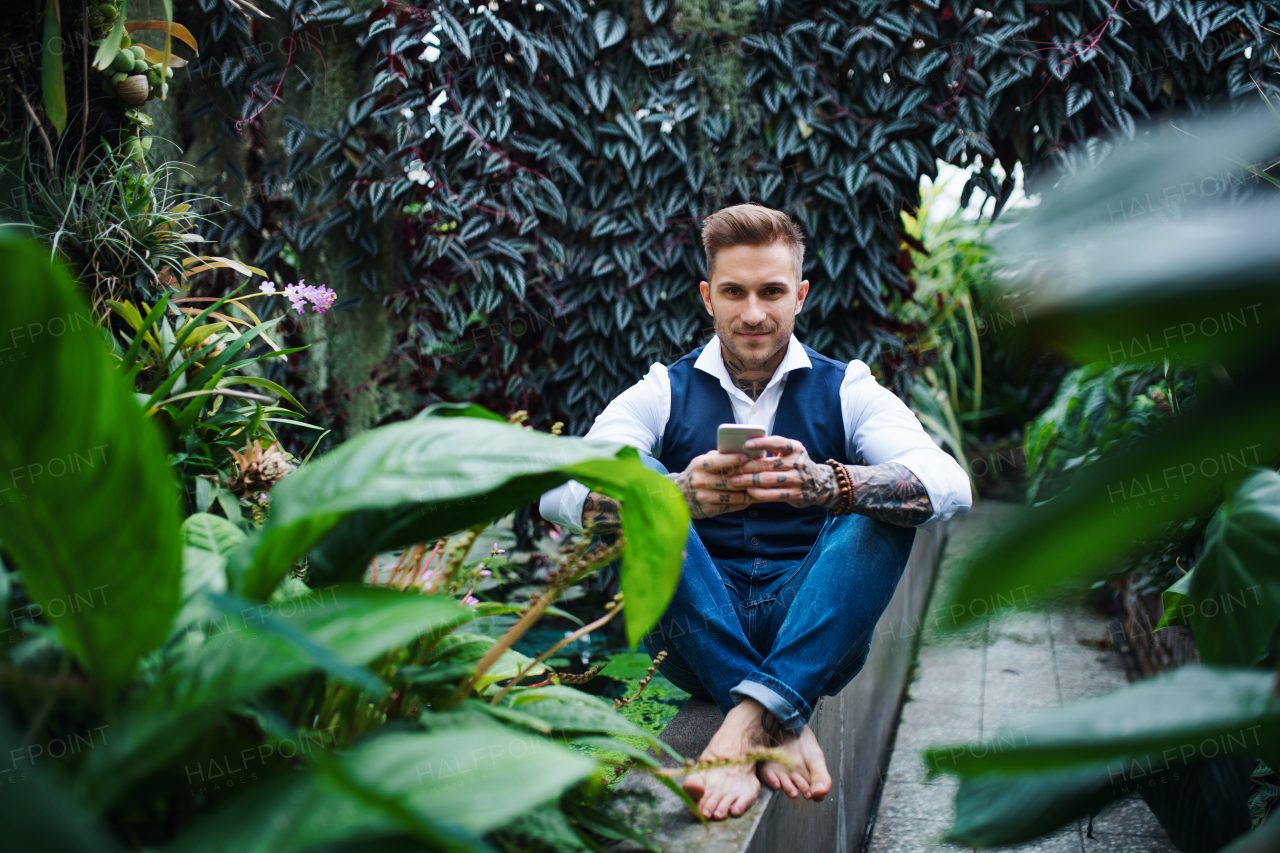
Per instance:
{"type": "Point", "coordinates": [755, 361]}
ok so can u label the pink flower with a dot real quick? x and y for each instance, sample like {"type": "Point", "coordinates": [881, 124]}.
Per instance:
{"type": "Point", "coordinates": [300, 294]}
{"type": "Point", "coordinates": [267, 287]}
{"type": "Point", "coordinates": [484, 573]}
{"type": "Point", "coordinates": [470, 600]}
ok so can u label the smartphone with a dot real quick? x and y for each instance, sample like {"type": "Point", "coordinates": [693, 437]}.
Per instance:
{"type": "Point", "coordinates": [730, 438]}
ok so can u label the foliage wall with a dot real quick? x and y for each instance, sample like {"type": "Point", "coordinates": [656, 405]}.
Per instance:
{"type": "Point", "coordinates": [507, 197]}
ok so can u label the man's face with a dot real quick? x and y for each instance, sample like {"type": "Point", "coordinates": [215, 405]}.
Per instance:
{"type": "Point", "coordinates": [754, 296]}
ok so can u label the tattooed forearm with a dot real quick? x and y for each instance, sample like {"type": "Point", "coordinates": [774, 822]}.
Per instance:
{"type": "Point", "coordinates": [890, 493]}
{"type": "Point", "coordinates": [684, 482]}
{"type": "Point", "coordinates": [602, 510]}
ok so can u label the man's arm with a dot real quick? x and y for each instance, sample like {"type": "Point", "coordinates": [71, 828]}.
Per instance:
{"type": "Point", "coordinates": [636, 417]}
{"type": "Point", "coordinates": [887, 492]}
{"type": "Point", "coordinates": [602, 511]}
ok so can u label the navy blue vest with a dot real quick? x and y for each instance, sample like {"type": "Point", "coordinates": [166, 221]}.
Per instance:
{"type": "Point", "coordinates": [809, 412]}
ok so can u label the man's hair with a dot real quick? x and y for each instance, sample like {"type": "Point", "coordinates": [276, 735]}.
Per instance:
{"type": "Point", "coordinates": [751, 225]}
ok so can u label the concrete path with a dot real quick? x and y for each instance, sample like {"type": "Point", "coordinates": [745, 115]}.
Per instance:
{"type": "Point", "coordinates": [965, 686]}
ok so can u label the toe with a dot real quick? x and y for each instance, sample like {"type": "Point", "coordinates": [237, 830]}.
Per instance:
{"type": "Point", "coordinates": [695, 786]}
{"type": "Point", "coordinates": [801, 784]}
{"type": "Point", "coordinates": [821, 784]}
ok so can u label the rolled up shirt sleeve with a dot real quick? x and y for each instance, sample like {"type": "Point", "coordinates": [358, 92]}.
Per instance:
{"type": "Point", "coordinates": [637, 417]}
{"type": "Point", "coordinates": [882, 429]}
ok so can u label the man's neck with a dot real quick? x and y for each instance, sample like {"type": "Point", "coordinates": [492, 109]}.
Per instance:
{"type": "Point", "coordinates": [751, 378]}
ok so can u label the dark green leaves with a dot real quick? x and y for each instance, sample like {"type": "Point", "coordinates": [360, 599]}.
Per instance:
{"type": "Point", "coordinates": [1233, 597]}
{"type": "Point", "coordinates": [53, 84]}
{"type": "Point", "coordinates": [418, 480]}
{"type": "Point", "coordinates": [85, 477]}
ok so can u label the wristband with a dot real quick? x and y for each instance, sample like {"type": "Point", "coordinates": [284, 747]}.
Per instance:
{"type": "Point", "coordinates": [845, 505]}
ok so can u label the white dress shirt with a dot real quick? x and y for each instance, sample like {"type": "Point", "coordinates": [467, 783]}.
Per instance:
{"type": "Point", "coordinates": [877, 425]}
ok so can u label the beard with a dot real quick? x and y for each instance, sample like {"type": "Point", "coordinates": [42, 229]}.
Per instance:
{"type": "Point", "coordinates": [757, 356]}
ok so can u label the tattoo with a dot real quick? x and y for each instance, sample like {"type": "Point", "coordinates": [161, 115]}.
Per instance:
{"type": "Point", "coordinates": [684, 482]}
{"type": "Point", "coordinates": [890, 493]}
{"type": "Point", "coordinates": [817, 483]}
{"type": "Point", "coordinates": [603, 510]}
{"type": "Point", "coordinates": [752, 381]}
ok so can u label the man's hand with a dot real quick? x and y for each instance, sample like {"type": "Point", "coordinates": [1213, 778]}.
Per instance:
{"type": "Point", "coordinates": [708, 487]}
{"type": "Point", "coordinates": [786, 475]}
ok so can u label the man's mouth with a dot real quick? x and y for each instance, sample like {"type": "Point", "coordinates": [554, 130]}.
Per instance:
{"type": "Point", "coordinates": [754, 335]}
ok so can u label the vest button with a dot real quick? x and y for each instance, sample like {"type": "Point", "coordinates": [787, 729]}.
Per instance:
{"type": "Point", "coordinates": [755, 540]}
{"type": "Point", "coordinates": [753, 512]}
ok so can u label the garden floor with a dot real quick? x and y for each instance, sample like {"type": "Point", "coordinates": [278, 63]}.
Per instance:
{"type": "Point", "coordinates": [967, 684]}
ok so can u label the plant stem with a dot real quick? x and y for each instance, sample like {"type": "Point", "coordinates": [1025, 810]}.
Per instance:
{"type": "Point", "coordinates": [575, 636]}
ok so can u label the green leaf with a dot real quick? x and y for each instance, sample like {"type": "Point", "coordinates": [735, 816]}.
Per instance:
{"type": "Point", "coordinates": [207, 539]}
{"type": "Point", "coordinates": [609, 28]}
{"type": "Point", "coordinates": [1205, 806]}
{"type": "Point", "coordinates": [459, 410]}
{"type": "Point", "coordinates": [1174, 599]}
{"type": "Point", "coordinates": [574, 712]}
{"type": "Point", "coordinates": [1234, 595]}
{"type": "Point", "coordinates": [111, 44]}
{"type": "Point", "coordinates": [418, 480]}
{"type": "Point", "coordinates": [1116, 279]}
{"type": "Point", "coordinates": [627, 665]}
{"type": "Point", "coordinates": [996, 809]}
{"type": "Point", "coordinates": [53, 85]}
{"type": "Point", "coordinates": [241, 651]}
{"type": "Point", "coordinates": [1191, 714]}
{"type": "Point", "coordinates": [1120, 502]}
{"type": "Point", "coordinates": [361, 623]}
{"type": "Point", "coordinates": [90, 514]}
{"type": "Point", "coordinates": [460, 782]}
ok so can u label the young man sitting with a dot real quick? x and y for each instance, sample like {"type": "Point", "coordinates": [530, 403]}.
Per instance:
{"type": "Point", "coordinates": [794, 554]}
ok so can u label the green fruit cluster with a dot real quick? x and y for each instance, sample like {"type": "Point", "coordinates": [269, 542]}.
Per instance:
{"type": "Point", "coordinates": [129, 62]}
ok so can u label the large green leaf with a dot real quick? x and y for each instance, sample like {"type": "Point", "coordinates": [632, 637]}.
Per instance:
{"type": "Point", "coordinates": [1233, 603]}
{"type": "Point", "coordinates": [90, 508]}
{"type": "Point", "coordinates": [1195, 285]}
{"type": "Point", "coordinates": [463, 780]}
{"type": "Point", "coordinates": [1192, 714]}
{"type": "Point", "coordinates": [360, 623]}
{"type": "Point", "coordinates": [241, 654]}
{"type": "Point", "coordinates": [418, 480]}
{"type": "Point", "coordinates": [995, 809]}
{"type": "Point", "coordinates": [1114, 505]}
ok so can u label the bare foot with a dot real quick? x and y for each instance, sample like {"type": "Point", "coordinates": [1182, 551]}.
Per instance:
{"type": "Point", "coordinates": [808, 775]}
{"type": "Point", "coordinates": [723, 791]}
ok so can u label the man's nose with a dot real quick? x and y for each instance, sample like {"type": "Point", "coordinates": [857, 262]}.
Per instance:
{"type": "Point", "coordinates": [754, 314]}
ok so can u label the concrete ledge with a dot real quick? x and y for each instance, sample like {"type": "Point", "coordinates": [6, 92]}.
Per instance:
{"type": "Point", "coordinates": [853, 727]}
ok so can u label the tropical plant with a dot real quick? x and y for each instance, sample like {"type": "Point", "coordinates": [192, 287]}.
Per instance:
{"type": "Point", "coordinates": [194, 652]}
{"type": "Point", "coordinates": [1201, 283]}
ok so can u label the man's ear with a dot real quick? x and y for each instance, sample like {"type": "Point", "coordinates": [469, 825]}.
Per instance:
{"type": "Point", "coordinates": [801, 293]}
{"type": "Point", "coordinates": [705, 290]}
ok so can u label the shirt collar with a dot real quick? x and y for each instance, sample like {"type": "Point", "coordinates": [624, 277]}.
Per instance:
{"type": "Point", "coordinates": [711, 361]}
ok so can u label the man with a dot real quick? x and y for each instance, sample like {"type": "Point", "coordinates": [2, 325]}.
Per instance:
{"type": "Point", "coordinates": [795, 553]}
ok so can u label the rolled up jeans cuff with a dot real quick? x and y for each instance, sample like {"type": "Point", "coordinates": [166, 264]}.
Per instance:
{"type": "Point", "coordinates": [777, 698]}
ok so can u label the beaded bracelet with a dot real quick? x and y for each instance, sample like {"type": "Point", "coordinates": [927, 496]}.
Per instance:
{"type": "Point", "coordinates": [845, 482]}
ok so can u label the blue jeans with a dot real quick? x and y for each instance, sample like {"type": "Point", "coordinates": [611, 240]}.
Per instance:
{"type": "Point", "coordinates": [782, 632]}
